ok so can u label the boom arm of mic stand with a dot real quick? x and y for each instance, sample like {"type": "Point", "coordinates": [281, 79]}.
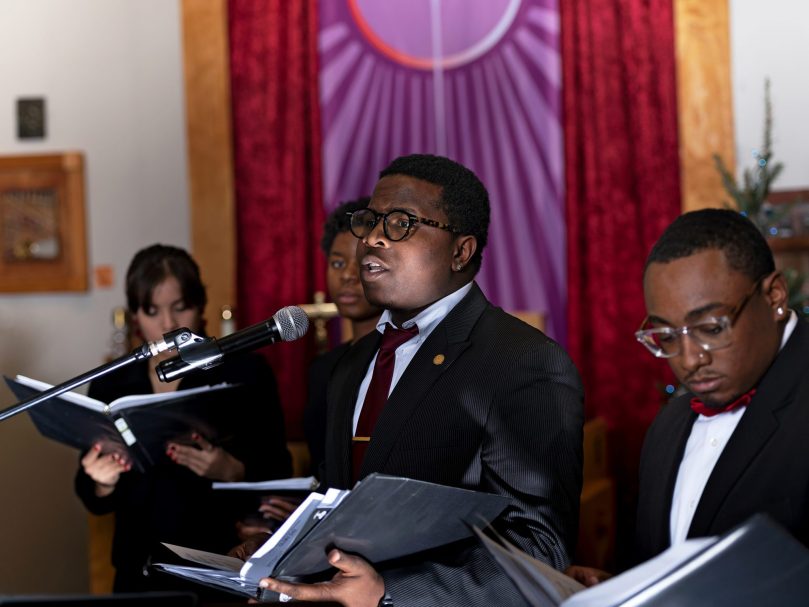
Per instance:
{"type": "Point", "coordinates": [140, 353]}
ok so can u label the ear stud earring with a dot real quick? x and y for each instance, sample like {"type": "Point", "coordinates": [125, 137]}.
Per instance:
{"type": "Point", "coordinates": [780, 311]}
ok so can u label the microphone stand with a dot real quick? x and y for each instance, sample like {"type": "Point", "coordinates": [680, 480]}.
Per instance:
{"type": "Point", "coordinates": [172, 340]}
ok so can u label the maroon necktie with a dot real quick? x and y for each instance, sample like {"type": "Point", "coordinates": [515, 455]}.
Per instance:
{"type": "Point", "coordinates": [700, 407]}
{"type": "Point", "coordinates": [378, 389]}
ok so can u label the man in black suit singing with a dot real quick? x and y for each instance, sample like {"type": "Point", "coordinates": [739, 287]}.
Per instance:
{"type": "Point", "coordinates": [472, 398]}
{"type": "Point", "coordinates": [738, 442]}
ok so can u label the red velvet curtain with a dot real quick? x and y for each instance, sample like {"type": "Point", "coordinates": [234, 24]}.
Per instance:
{"type": "Point", "coordinates": [276, 125]}
{"type": "Point", "coordinates": [622, 183]}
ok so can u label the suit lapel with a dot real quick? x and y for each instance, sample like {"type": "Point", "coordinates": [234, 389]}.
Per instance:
{"type": "Point", "coordinates": [450, 338]}
{"type": "Point", "coordinates": [758, 424]}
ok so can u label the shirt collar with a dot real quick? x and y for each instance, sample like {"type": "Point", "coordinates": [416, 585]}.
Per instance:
{"type": "Point", "coordinates": [791, 324]}
{"type": "Point", "coordinates": [428, 319]}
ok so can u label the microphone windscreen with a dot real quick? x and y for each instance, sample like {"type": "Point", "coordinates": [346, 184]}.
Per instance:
{"type": "Point", "coordinates": [292, 322]}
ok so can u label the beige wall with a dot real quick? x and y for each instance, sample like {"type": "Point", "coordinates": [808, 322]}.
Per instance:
{"type": "Point", "coordinates": [771, 40]}
{"type": "Point", "coordinates": [111, 71]}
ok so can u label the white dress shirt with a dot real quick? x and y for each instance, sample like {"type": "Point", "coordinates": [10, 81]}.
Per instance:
{"type": "Point", "coordinates": [708, 438]}
{"type": "Point", "coordinates": [427, 320]}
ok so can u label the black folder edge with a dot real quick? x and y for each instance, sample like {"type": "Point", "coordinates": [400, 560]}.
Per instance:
{"type": "Point", "coordinates": [757, 528]}
{"type": "Point", "coordinates": [370, 482]}
{"type": "Point", "coordinates": [299, 561]}
{"type": "Point", "coordinates": [54, 430]}
{"type": "Point", "coordinates": [245, 589]}
{"type": "Point", "coordinates": [108, 432]}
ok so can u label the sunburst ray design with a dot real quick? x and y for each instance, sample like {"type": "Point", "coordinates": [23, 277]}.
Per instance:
{"type": "Point", "coordinates": [486, 94]}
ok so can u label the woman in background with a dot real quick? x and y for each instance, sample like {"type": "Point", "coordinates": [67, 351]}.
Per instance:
{"type": "Point", "coordinates": [345, 290]}
{"type": "Point", "coordinates": [173, 501]}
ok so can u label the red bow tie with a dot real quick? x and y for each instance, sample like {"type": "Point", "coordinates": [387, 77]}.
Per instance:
{"type": "Point", "coordinates": [700, 407]}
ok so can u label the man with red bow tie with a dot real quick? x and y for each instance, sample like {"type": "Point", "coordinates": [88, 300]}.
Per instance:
{"type": "Point", "coordinates": [738, 442]}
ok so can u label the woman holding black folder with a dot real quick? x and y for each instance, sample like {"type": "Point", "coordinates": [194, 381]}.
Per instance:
{"type": "Point", "coordinates": [173, 501]}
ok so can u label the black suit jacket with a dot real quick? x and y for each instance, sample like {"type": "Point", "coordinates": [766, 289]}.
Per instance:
{"type": "Point", "coordinates": [315, 412]}
{"type": "Point", "coordinates": [763, 468]}
{"type": "Point", "coordinates": [501, 413]}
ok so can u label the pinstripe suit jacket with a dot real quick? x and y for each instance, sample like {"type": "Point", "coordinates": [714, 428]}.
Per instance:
{"type": "Point", "coordinates": [502, 413]}
{"type": "Point", "coordinates": [763, 468]}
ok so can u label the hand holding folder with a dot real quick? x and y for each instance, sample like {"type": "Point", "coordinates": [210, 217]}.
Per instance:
{"type": "Point", "coordinates": [381, 519]}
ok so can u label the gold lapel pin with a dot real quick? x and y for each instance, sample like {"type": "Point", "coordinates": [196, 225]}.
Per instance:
{"type": "Point", "coordinates": [439, 359]}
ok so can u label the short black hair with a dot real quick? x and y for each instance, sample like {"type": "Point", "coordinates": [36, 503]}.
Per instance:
{"type": "Point", "coordinates": [338, 221]}
{"type": "Point", "coordinates": [464, 198]}
{"type": "Point", "coordinates": [729, 231]}
{"type": "Point", "coordinates": [152, 265]}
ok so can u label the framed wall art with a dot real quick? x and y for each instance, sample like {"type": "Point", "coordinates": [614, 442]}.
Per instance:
{"type": "Point", "coordinates": [42, 225]}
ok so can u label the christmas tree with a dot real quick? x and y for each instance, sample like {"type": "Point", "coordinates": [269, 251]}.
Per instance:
{"type": "Point", "coordinates": [750, 198]}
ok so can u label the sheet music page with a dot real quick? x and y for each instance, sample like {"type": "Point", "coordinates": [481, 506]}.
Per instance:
{"type": "Point", "coordinates": [72, 397]}
{"type": "Point", "coordinates": [620, 588]}
{"type": "Point", "coordinates": [137, 400]}
{"type": "Point", "coordinates": [265, 558]}
{"type": "Point", "coordinates": [227, 580]}
{"type": "Point", "coordinates": [217, 561]}
{"type": "Point", "coordinates": [540, 584]}
{"type": "Point", "coordinates": [302, 483]}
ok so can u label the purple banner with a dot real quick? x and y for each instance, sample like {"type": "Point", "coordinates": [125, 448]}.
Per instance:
{"type": "Point", "coordinates": [478, 81]}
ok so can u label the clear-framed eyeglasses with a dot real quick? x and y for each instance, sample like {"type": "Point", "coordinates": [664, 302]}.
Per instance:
{"type": "Point", "coordinates": [711, 333]}
{"type": "Point", "coordinates": [396, 224]}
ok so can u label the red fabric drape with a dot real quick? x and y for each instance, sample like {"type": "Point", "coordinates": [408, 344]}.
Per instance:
{"type": "Point", "coordinates": [276, 125]}
{"type": "Point", "coordinates": [622, 182]}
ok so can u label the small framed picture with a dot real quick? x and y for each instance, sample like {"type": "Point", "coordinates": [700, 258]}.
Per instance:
{"type": "Point", "coordinates": [42, 226]}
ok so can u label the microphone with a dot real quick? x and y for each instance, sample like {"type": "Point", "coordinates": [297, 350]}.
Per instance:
{"type": "Point", "coordinates": [288, 324]}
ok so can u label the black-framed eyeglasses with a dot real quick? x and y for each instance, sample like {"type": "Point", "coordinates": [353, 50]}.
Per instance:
{"type": "Point", "coordinates": [396, 223]}
{"type": "Point", "coordinates": [713, 333]}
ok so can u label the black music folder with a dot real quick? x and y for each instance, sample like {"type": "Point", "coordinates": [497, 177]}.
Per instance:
{"type": "Point", "coordinates": [382, 518]}
{"type": "Point", "coordinates": [137, 426]}
{"type": "Point", "coordinates": [756, 563]}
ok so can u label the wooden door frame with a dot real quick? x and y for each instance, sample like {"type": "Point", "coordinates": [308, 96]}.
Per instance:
{"type": "Point", "coordinates": [210, 151]}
